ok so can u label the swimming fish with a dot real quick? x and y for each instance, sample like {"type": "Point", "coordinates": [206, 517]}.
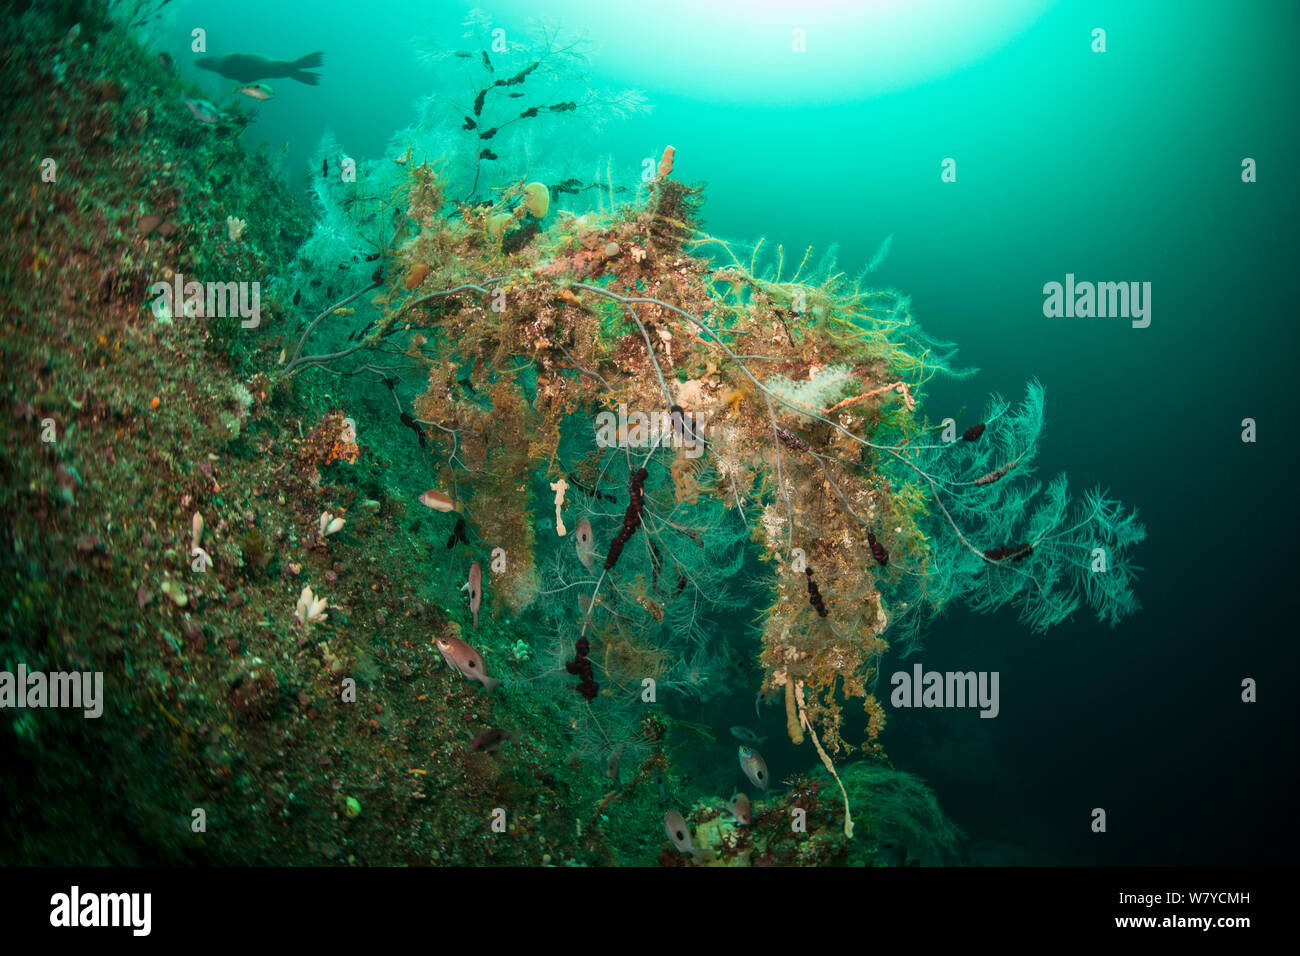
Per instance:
{"type": "Point", "coordinates": [437, 501]}
{"type": "Point", "coordinates": [746, 736]}
{"type": "Point", "coordinates": [257, 91]}
{"type": "Point", "coordinates": [494, 739]}
{"type": "Point", "coordinates": [147, 225]}
{"type": "Point", "coordinates": [475, 585]}
{"type": "Point", "coordinates": [249, 67]}
{"type": "Point", "coordinates": [463, 658]}
{"type": "Point", "coordinates": [765, 695]}
{"type": "Point", "coordinates": [679, 833]}
{"type": "Point", "coordinates": [458, 535]}
{"type": "Point", "coordinates": [203, 111]}
{"type": "Point", "coordinates": [738, 806]}
{"type": "Point", "coordinates": [755, 767]}
{"type": "Point", "coordinates": [585, 543]}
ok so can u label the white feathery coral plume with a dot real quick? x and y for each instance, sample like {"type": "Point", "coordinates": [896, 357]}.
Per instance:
{"type": "Point", "coordinates": [310, 608]}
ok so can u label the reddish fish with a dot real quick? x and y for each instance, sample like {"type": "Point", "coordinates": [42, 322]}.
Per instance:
{"type": "Point", "coordinates": [435, 499]}
{"type": "Point", "coordinates": [755, 767]}
{"type": "Point", "coordinates": [475, 586]}
{"type": "Point", "coordinates": [738, 807]}
{"type": "Point", "coordinates": [463, 658]}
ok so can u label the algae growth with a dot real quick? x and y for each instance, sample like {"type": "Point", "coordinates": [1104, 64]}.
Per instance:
{"type": "Point", "coordinates": [486, 427]}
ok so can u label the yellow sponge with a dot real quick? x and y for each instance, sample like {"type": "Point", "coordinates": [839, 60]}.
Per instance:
{"type": "Point", "coordinates": [538, 198]}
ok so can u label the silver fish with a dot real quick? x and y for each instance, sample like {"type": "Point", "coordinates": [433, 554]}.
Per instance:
{"type": "Point", "coordinates": [585, 543]}
{"type": "Point", "coordinates": [475, 590]}
{"type": "Point", "coordinates": [257, 91]}
{"type": "Point", "coordinates": [679, 833]}
{"type": "Point", "coordinates": [463, 658]}
{"type": "Point", "coordinates": [755, 767]}
{"type": "Point", "coordinates": [203, 111]}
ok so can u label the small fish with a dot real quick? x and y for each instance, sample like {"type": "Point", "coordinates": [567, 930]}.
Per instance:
{"type": "Point", "coordinates": [585, 543]}
{"type": "Point", "coordinates": [765, 695]}
{"type": "Point", "coordinates": [324, 167]}
{"type": "Point", "coordinates": [458, 534]}
{"type": "Point", "coordinates": [487, 62]}
{"type": "Point", "coordinates": [435, 499]}
{"type": "Point", "coordinates": [515, 96]}
{"type": "Point", "coordinates": [146, 225]}
{"type": "Point", "coordinates": [464, 659]}
{"type": "Point", "coordinates": [460, 55]}
{"type": "Point", "coordinates": [167, 63]}
{"type": "Point", "coordinates": [746, 736]}
{"type": "Point", "coordinates": [679, 833]}
{"type": "Point", "coordinates": [475, 585]}
{"type": "Point", "coordinates": [495, 739]}
{"type": "Point", "coordinates": [257, 91]}
{"type": "Point", "coordinates": [203, 111]}
{"type": "Point", "coordinates": [297, 296]}
{"type": "Point", "coordinates": [612, 765]}
{"type": "Point", "coordinates": [738, 806]}
{"type": "Point", "coordinates": [755, 767]}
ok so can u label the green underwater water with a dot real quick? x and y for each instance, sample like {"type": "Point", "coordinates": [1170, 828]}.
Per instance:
{"type": "Point", "coordinates": [475, 236]}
